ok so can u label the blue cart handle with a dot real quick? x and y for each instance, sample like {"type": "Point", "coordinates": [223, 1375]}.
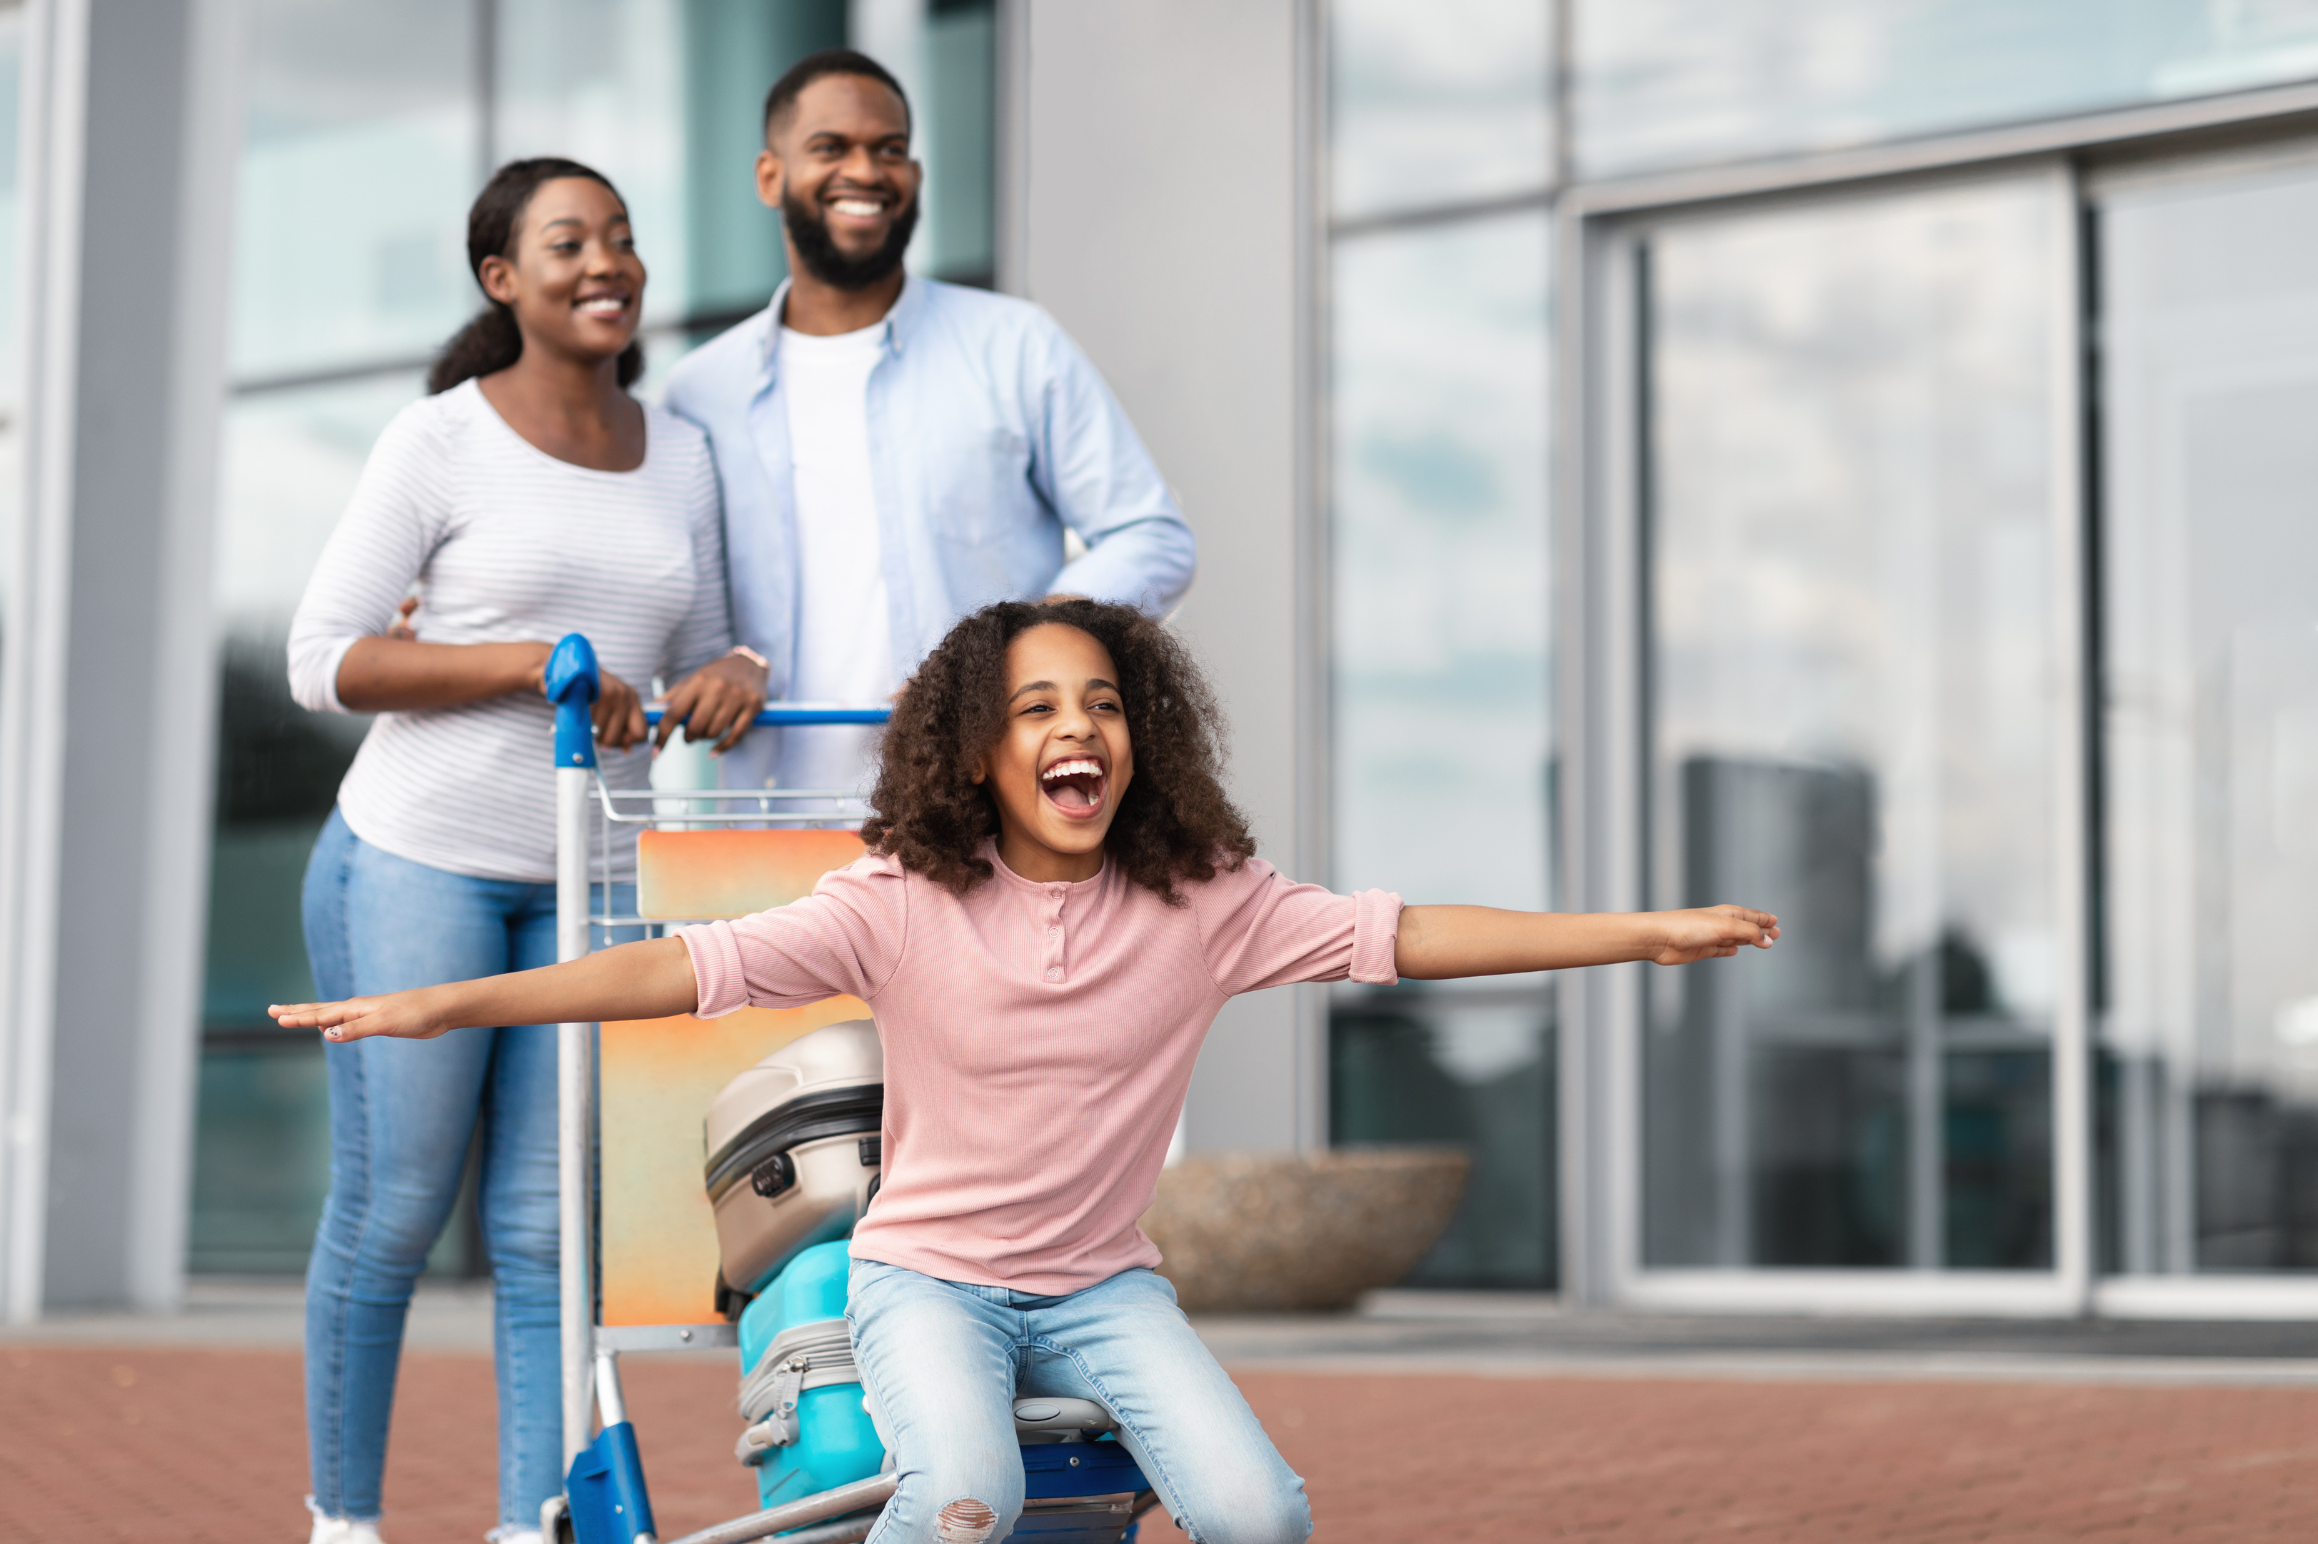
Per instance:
{"type": "Point", "coordinates": [791, 714]}
{"type": "Point", "coordinates": [573, 682]}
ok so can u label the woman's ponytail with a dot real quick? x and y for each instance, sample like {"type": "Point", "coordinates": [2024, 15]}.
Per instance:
{"type": "Point", "coordinates": [492, 341]}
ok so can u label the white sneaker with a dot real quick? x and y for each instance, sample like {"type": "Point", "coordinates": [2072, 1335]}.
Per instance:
{"type": "Point", "coordinates": [343, 1530]}
{"type": "Point", "coordinates": [513, 1536]}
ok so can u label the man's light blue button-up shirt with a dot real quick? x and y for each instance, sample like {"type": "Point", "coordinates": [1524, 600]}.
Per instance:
{"type": "Point", "coordinates": [989, 433]}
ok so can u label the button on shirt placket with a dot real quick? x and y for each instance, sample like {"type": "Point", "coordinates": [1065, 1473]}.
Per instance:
{"type": "Point", "coordinates": [1052, 967]}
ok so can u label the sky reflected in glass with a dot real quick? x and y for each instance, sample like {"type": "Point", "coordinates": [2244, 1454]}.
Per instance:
{"type": "Point", "coordinates": [1436, 104]}
{"type": "Point", "coordinates": [1440, 576]}
{"type": "Point", "coordinates": [1665, 83]}
{"type": "Point", "coordinates": [1855, 695]}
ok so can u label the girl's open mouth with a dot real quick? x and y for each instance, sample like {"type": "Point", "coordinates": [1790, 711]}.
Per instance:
{"type": "Point", "coordinates": [1075, 786]}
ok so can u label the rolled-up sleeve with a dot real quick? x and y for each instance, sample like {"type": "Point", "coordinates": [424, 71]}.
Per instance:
{"type": "Point", "coordinates": [844, 938]}
{"type": "Point", "coordinates": [376, 551]}
{"type": "Point", "coordinates": [1092, 469]}
{"type": "Point", "coordinates": [1260, 929]}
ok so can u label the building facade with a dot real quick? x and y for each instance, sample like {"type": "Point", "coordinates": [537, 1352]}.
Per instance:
{"type": "Point", "coordinates": [1843, 458]}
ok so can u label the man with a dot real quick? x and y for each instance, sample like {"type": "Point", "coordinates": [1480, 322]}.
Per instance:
{"type": "Point", "coordinates": [897, 452]}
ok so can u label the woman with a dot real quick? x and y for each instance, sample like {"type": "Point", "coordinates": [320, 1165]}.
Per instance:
{"type": "Point", "coordinates": [529, 496]}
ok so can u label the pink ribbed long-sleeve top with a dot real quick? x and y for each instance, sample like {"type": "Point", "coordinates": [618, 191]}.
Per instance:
{"type": "Point", "coordinates": [1039, 1039]}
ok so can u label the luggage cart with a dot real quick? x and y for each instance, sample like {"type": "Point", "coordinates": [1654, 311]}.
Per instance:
{"type": "Point", "coordinates": [802, 834]}
{"type": "Point", "coordinates": [605, 1497]}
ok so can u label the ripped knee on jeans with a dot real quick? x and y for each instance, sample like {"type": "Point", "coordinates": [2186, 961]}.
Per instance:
{"type": "Point", "coordinates": [965, 1521]}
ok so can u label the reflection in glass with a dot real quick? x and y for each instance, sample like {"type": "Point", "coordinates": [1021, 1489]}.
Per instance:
{"type": "Point", "coordinates": [1440, 749]}
{"type": "Point", "coordinates": [290, 463]}
{"type": "Point", "coordinates": [733, 52]}
{"type": "Point", "coordinates": [1414, 1067]}
{"type": "Point", "coordinates": [261, 1159]}
{"type": "Point", "coordinates": [363, 150]}
{"type": "Point", "coordinates": [957, 110]}
{"type": "Point", "coordinates": [1439, 548]}
{"type": "Point", "coordinates": [1853, 702]}
{"type": "Point", "coordinates": [2209, 1065]}
{"type": "Point", "coordinates": [11, 357]}
{"type": "Point", "coordinates": [944, 52]}
{"type": "Point", "coordinates": [602, 82]}
{"type": "Point", "coordinates": [1438, 103]}
{"type": "Point", "coordinates": [1662, 83]}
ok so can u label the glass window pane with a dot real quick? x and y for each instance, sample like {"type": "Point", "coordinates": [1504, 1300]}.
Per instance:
{"type": "Point", "coordinates": [362, 154]}
{"type": "Point", "coordinates": [261, 1156]}
{"type": "Point", "coordinates": [733, 52]}
{"type": "Point", "coordinates": [602, 82]}
{"type": "Point", "coordinates": [11, 357]}
{"type": "Point", "coordinates": [290, 463]}
{"type": "Point", "coordinates": [957, 141]}
{"type": "Point", "coordinates": [1662, 83]}
{"type": "Point", "coordinates": [1456, 1069]}
{"type": "Point", "coordinates": [1439, 551]}
{"type": "Point", "coordinates": [2209, 1038]}
{"type": "Point", "coordinates": [944, 52]}
{"type": "Point", "coordinates": [1853, 726]}
{"type": "Point", "coordinates": [1440, 702]}
{"type": "Point", "coordinates": [1436, 103]}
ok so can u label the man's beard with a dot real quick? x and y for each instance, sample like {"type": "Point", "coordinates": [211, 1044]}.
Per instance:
{"type": "Point", "coordinates": [817, 249]}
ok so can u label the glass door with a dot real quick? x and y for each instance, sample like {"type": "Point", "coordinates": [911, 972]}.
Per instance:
{"type": "Point", "coordinates": [2207, 987]}
{"type": "Point", "coordinates": [1855, 504]}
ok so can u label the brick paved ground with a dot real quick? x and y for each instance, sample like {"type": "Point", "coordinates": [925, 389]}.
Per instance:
{"type": "Point", "coordinates": [151, 1444]}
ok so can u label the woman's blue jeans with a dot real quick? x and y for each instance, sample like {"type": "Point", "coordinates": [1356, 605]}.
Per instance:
{"type": "Point", "coordinates": [942, 1361]}
{"type": "Point", "coordinates": [402, 1113]}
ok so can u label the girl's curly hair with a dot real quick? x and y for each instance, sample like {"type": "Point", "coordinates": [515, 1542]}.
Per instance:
{"type": "Point", "coordinates": [1174, 821]}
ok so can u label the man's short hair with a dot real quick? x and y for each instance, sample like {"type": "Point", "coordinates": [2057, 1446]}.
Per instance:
{"type": "Point", "coordinates": [781, 101]}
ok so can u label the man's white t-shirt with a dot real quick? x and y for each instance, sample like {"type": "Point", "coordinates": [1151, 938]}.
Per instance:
{"type": "Point", "coordinates": [844, 621]}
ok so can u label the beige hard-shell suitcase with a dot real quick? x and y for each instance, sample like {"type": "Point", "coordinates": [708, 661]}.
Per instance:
{"type": "Point", "coordinates": [793, 1153]}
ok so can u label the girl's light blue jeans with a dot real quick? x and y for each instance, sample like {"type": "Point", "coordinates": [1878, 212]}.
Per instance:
{"type": "Point", "coordinates": [402, 1113]}
{"type": "Point", "coordinates": [943, 1361]}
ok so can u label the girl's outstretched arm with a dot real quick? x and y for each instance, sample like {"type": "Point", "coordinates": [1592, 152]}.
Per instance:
{"type": "Point", "coordinates": [648, 980]}
{"type": "Point", "coordinates": [1438, 942]}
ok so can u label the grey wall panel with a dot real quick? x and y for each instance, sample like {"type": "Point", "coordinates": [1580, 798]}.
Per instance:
{"type": "Point", "coordinates": [112, 702]}
{"type": "Point", "coordinates": [1160, 185]}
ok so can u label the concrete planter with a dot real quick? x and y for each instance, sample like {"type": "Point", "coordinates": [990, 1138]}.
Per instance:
{"type": "Point", "coordinates": [1299, 1232]}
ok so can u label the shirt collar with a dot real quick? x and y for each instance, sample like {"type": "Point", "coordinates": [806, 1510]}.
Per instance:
{"type": "Point", "coordinates": [1093, 881]}
{"type": "Point", "coordinates": [901, 322]}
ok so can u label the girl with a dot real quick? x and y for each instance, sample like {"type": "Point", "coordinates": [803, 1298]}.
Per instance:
{"type": "Point", "coordinates": [528, 497]}
{"type": "Point", "coordinates": [1057, 901]}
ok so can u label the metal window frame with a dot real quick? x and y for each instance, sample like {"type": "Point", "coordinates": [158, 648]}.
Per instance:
{"type": "Point", "coordinates": [1601, 706]}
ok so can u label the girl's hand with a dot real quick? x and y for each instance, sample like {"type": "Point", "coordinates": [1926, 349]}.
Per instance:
{"type": "Point", "coordinates": [719, 702]}
{"type": "Point", "coordinates": [403, 1015]}
{"type": "Point", "coordinates": [1710, 933]}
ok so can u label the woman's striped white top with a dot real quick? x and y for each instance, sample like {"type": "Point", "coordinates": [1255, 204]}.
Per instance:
{"type": "Point", "coordinates": [507, 544]}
